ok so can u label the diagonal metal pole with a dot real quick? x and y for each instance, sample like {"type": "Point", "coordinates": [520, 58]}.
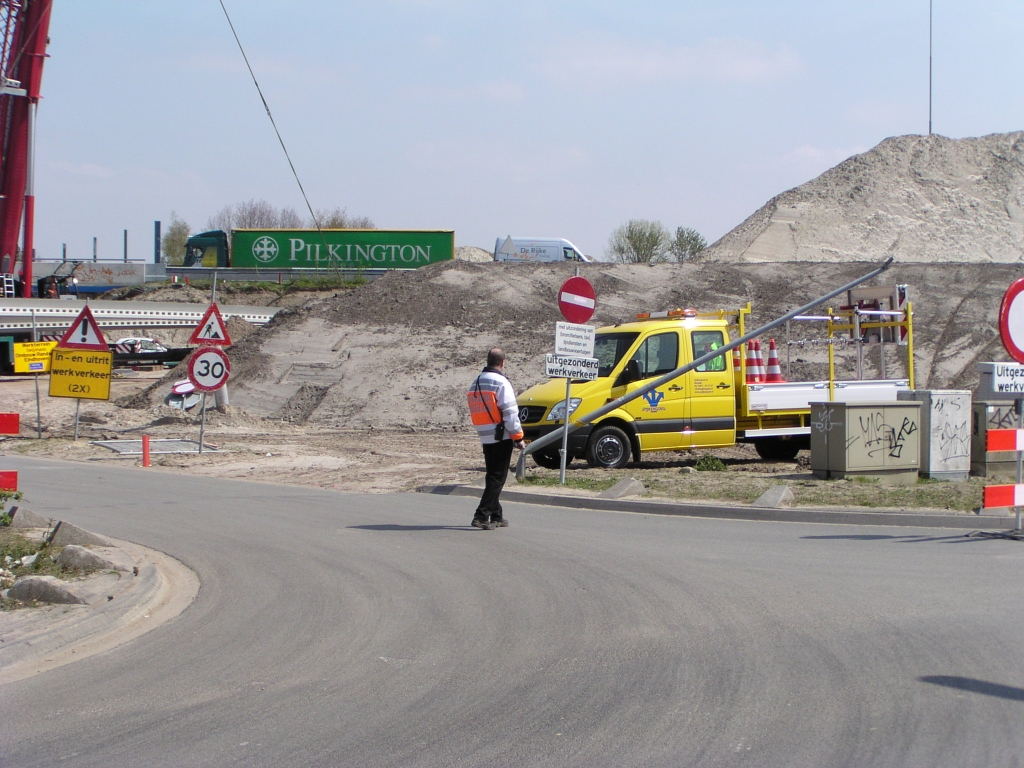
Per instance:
{"type": "Point", "coordinates": [557, 434]}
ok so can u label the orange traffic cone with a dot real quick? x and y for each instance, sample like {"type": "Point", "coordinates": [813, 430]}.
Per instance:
{"type": "Point", "coordinates": [753, 369]}
{"type": "Point", "coordinates": [774, 371]}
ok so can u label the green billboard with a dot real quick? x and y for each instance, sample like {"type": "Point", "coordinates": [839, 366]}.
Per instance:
{"type": "Point", "coordinates": [340, 248]}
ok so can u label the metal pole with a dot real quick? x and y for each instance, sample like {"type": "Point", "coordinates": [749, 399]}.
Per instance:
{"type": "Point", "coordinates": [63, 251]}
{"type": "Point", "coordinates": [564, 452]}
{"type": "Point", "coordinates": [28, 249]}
{"type": "Point", "coordinates": [1020, 458]}
{"type": "Point", "coordinates": [860, 347]}
{"type": "Point", "coordinates": [789, 353]}
{"type": "Point", "coordinates": [202, 423]}
{"type": "Point", "coordinates": [213, 289]}
{"type": "Point", "coordinates": [126, 246]}
{"type": "Point", "coordinates": [94, 258]}
{"type": "Point", "coordinates": [549, 438]}
{"type": "Point", "coordinates": [156, 242]}
{"type": "Point", "coordinates": [78, 404]}
{"type": "Point", "coordinates": [39, 415]}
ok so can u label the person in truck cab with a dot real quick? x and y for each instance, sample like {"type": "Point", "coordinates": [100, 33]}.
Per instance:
{"type": "Point", "coordinates": [495, 414]}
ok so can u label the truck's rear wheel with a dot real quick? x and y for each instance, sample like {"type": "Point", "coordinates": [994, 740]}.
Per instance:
{"type": "Point", "coordinates": [778, 449]}
{"type": "Point", "coordinates": [608, 447]}
{"type": "Point", "coordinates": [550, 459]}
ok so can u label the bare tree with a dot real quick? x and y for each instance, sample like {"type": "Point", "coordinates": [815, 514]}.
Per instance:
{"type": "Point", "coordinates": [173, 242]}
{"type": "Point", "coordinates": [639, 241]}
{"type": "Point", "coordinates": [687, 243]}
{"type": "Point", "coordinates": [339, 219]}
{"type": "Point", "coordinates": [289, 218]}
{"type": "Point", "coordinates": [259, 214]}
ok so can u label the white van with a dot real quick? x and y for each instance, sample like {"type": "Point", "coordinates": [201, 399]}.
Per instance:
{"type": "Point", "coordinates": [536, 249]}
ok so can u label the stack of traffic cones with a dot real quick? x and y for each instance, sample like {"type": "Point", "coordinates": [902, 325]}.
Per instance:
{"type": "Point", "coordinates": [774, 373]}
{"type": "Point", "coordinates": [753, 366]}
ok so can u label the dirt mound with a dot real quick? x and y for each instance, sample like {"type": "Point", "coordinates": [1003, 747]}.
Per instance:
{"type": "Point", "coordinates": [472, 253]}
{"type": "Point", "coordinates": [919, 198]}
{"type": "Point", "coordinates": [398, 352]}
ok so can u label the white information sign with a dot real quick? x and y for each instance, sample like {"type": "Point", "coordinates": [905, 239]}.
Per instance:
{"type": "Point", "coordinates": [566, 367]}
{"type": "Point", "coordinates": [1008, 378]}
{"type": "Point", "coordinates": [574, 340]}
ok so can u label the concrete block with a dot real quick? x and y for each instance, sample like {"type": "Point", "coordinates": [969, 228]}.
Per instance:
{"type": "Point", "coordinates": [26, 518]}
{"type": "Point", "coordinates": [628, 487]}
{"type": "Point", "coordinates": [76, 557]}
{"type": "Point", "coordinates": [65, 533]}
{"type": "Point", "coordinates": [776, 496]}
{"type": "Point", "coordinates": [45, 589]}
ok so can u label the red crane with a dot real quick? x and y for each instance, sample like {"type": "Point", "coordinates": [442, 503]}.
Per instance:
{"type": "Point", "coordinates": [24, 26]}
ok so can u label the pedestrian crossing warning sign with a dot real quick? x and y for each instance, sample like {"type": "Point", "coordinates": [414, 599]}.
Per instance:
{"type": "Point", "coordinates": [84, 333]}
{"type": "Point", "coordinates": [211, 329]}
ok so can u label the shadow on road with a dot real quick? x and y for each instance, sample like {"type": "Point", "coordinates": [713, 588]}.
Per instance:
{"type": "Point", "coordinates": [960, 538]}
{"type": "Point", "coordinates": [396, 527]}
{"type": "Point", "coordinates": [972, 685]}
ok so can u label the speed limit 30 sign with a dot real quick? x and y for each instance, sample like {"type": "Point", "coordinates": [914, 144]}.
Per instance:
{"type": "Point", "coordinates": [209, 369]}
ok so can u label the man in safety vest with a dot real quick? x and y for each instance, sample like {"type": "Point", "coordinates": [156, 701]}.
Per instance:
{"type": "Point", "coordinates": [495, 414]}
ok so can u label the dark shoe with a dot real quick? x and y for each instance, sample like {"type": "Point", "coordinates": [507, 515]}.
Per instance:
{"type": "Point", "coordinates": [501, 522]}
{"type": "Point", "coordinates": [483, 523]}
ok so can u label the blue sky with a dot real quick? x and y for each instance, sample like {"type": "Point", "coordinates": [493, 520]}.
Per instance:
{"type": "Point", "coordinates": [559, 119]}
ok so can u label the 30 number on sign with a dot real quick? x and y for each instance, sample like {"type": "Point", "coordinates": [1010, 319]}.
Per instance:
{"type": "Point", "coordinates": [209, 369]}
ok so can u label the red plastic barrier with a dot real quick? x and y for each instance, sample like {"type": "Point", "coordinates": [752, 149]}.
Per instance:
{"type": "Point", "coordinates": [10, 423]}
{"type": "Point", "coordinates": [9, 480]}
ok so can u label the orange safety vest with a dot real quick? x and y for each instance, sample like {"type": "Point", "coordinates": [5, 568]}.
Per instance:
{"type": "Point", "coordinates": [483, 407]}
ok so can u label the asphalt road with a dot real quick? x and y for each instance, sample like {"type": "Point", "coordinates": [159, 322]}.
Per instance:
{"type": "Point", "coordinates": [348, 630]}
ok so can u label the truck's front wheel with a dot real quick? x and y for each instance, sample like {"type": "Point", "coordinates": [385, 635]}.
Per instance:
{"type": "Point", "coordinates": [608, 447]}
{"type": "Point", "coordinates": [550, 459]}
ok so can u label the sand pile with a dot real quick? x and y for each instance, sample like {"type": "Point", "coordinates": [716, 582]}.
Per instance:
{"type": "Point", "coordinates": [919, 198]}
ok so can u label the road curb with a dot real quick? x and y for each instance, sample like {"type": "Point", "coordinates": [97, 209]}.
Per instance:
{"type": "Point", "coordinates": [722, 511]}
{"type": "Point", "coordinates": [52, 636]}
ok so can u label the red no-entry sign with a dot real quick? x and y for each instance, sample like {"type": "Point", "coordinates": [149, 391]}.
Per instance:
{"type": "Point", "coordinates": [577, 300]}
{"type": "Point", "coordinates": [1011, 320]}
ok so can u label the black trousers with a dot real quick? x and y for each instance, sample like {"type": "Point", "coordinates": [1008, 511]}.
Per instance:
{"type": "Point", "coordinates": [496, 458]}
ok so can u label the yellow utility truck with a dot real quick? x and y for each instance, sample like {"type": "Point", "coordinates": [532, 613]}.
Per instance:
{"type": "Point", "coordinates": [712, 406]}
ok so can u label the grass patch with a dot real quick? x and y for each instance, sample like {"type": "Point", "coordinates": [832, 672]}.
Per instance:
{"type": "Point", "coordinates": [580, 483]}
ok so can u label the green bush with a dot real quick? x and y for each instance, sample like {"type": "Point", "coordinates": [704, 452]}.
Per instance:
{"type": "Point", "coordinates": [709, 463]}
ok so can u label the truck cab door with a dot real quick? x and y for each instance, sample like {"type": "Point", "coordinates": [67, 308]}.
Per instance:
{"type": "Point", "coordinates": [658, 415]}
{"type": "Point", "coordinates": [710, 405]}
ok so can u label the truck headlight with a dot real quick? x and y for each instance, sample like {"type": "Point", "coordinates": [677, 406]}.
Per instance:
{"type": "Point", "coordinates": [558, 412]}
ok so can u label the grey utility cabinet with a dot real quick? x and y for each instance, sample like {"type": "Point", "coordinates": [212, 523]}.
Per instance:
{"type": "Point", "coordinates": [877, 440]}
{"type": "Point", "coordinates": [945, 432]}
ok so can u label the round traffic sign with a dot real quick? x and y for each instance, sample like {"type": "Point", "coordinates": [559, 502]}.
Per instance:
{"type": "Point", "coordinates": [577, 300]}
{"type": "Point", "coordinates": [1011, 320]}
{"type": "Point", "coordinates": [209, 369]}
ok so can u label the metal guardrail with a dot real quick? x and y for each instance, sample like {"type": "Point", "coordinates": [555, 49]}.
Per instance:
{"type": "Point", "coordinates": [16, 315]}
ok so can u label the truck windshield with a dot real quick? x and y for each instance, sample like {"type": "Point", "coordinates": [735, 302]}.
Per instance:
{"type": "Point", "coordinates": [609, 348]}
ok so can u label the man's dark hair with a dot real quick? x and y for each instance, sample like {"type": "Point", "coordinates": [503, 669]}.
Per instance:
{"type": "Point", "coordinates": [495, 358]}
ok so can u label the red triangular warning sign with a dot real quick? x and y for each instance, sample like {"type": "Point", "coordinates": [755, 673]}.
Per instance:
{"type": "Point", "coordinates": [211, 329]}
{"type": "Point", "coordinates": [84, 333]}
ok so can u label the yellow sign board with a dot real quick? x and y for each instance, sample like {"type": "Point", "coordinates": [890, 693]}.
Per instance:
{"type": "Point", "coordinates": [83, 373]}
{"type": "Point", "coordinates": [33, 356]}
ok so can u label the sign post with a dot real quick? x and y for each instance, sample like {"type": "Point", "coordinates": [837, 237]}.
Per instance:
{"type": "Point", "coordinates": [208, 370]}
{"type": "Point", "coordinates": [574, 349]}
{"type": "Point", "coordinates": [1011, 329]}
{"type": "Point", "coordinates": [81, 363]}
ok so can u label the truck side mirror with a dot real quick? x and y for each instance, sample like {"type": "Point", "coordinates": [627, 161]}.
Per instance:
{"type": "Point", "coordinates": [630, 373]}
